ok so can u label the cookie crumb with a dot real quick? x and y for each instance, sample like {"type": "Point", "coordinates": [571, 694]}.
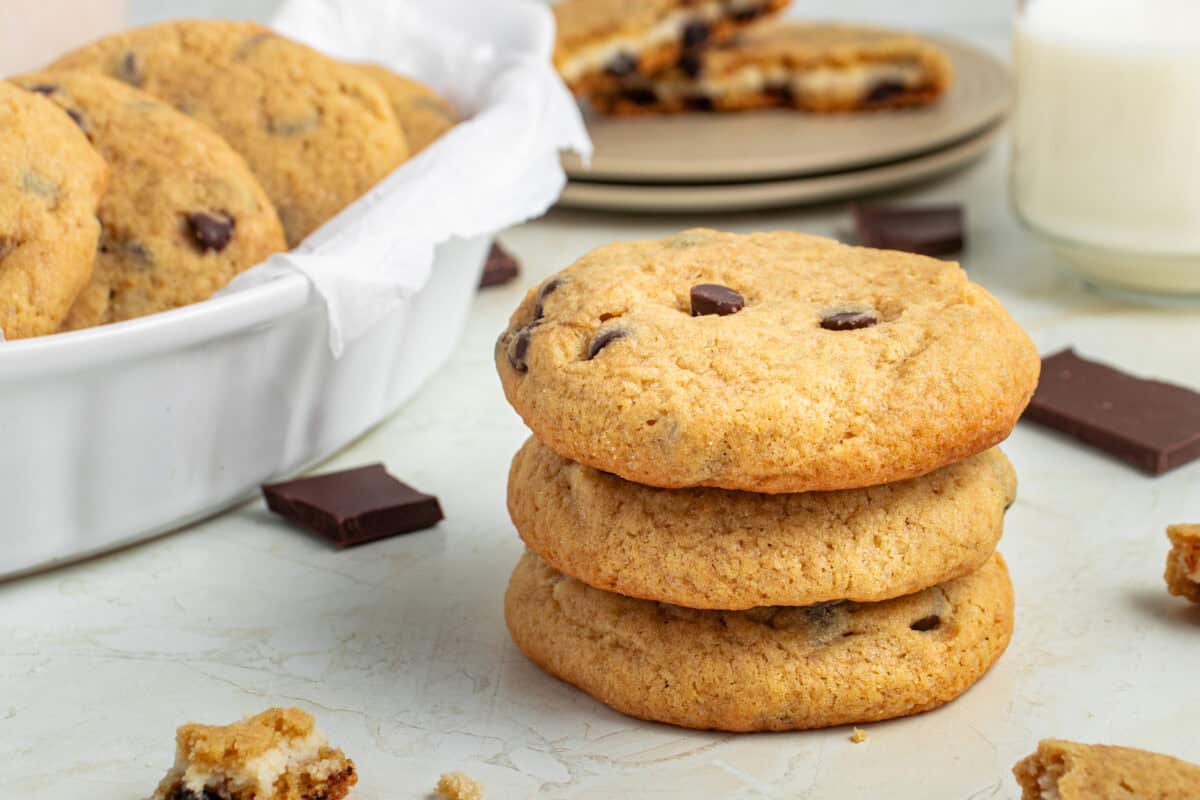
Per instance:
{"type": "Point", "coordinates": [859, 736]}
{"type": "Point", "coordinates": [1183, 562]}
{"type": "Point", "coordinates": [459, 786]}
{"type": "Point", "coordinates": [276, 755]}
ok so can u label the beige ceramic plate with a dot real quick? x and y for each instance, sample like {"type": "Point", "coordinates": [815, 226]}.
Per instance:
{"type": "Point", "coordinates": [703, 147]}
{"type": "Point", "coordinates": [653, 197]}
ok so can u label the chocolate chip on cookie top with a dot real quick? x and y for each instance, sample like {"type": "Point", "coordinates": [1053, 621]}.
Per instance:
{"type": "Point", "coordinates": [844, 367]}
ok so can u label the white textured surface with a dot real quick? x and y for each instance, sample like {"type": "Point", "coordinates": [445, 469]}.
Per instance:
{"type": "Point", "coordinates": [400, 649]}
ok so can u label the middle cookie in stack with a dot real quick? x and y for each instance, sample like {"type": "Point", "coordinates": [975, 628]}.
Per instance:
{"type": "Point", "coordinates": [844, 401]}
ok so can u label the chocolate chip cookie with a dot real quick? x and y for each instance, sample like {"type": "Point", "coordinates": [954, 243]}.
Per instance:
{"type": "Point", "coordinates": [824, 367]}
{"type": "Point", "coordinates": [718, 549]}
{"type": "Point", "coordinates": [602, 42]}
{"type": "Point", "coordinates": [316, 133]}
{"type": "Point", "coordinates": [183, 213]}
{"type": "Point", "coordinates": [1061, 770]}
{"type": "Point", "coordinates": [423, 113]}
{"type": "Point", "coordinates": [771, 668]}
{"type": "Point", "coordinates": [790, 64]}
{"type": "Point", "coordinates": [51, 182]}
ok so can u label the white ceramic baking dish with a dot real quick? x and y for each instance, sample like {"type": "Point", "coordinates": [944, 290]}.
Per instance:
{"type": "Point", "coordinates": [121, 432]}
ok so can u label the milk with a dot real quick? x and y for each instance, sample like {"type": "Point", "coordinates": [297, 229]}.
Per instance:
{"type": "Point", "coordinates": [1106, 136]}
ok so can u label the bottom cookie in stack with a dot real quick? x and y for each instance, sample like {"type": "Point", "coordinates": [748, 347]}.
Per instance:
{"type": "Point", "coordinates": [766, 669]}
{"type": "Point", "coordinates": [709, 608]}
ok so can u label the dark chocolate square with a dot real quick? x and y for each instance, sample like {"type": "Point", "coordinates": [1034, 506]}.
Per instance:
{"type": "Point", "coordinates": [1153, 425]}
{"type": "Point", "coordinates": [500, 267]}
{"type": "Point", "coordinates": [932, 230]}
{"type": "Point", "coordinates": [354, 506]}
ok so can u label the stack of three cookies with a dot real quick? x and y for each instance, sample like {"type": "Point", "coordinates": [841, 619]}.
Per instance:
{"type": "Point", "coordinates": [763, 492]}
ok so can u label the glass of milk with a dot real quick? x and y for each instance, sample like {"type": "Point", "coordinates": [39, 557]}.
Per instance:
{"type": "Point", "coordinates": [1106, 138]}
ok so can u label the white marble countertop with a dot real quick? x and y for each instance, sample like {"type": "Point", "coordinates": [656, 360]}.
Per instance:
{"type": "Point", "coordinates": [400, 649]}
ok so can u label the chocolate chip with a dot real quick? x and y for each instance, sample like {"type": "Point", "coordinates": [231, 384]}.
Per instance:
{"type": "Point", "coordinates": [77, 117]}
{"type": "Point", "coordinates": [781, 92]}
{"type": "Point", "coordinates": [696, 33]}
{"type": "Point", "coordinates": [713, 298]}
{"type": "Point", "coordinates": [884, 90]}
{"type": "Point", "coordinates": [640, 95]}
{"type": "Point", "coordinates": [849, 320]}
{"type": "Point", "coordinates": [823, 615]}
{"type": "Point", "coordinates": [927, 623]}
{"type": "Point", "coordinates": [698, 102]}
{"type": "Point", "coordinates": [518, 349]}
{"type": "Point", "coordinates": [622, 65]}
{"type": "Point", "coordinates": [603, 340]}
{"type": "Point", "coordinates": [692, 64]}
{"type": "Point", "coordinates": [210, 231]}
{"type": "Point", "coordinates": [43, 88]}
{"type": "Point", "coordinates": [547, 289]}
{"type": "Point", "coordinates": [747, 14]}
{"type": "Point", "coordinates": [130, 69]}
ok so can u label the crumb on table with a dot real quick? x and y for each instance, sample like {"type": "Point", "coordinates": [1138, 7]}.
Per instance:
{"type": "Point", "coordinates": [459, 786]}
{"type": "Point", "coordinates": [859, 736]}
{"type": "Point", "coordinates": [1183, 562]}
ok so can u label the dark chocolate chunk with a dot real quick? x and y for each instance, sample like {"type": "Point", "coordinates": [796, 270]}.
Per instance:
{"type": "Point", "coordinates": [43, 88]}
{"type": "Point", "coordinates": [780, 92]}
{"type": "Point", "coordinates": [353, 506]}
{"type": "Point", "coordinates": [603, 340]}
{"type": "Point", "coordinates": [713, 298]}
{"type": "Point", "coordinates": [927, 623]}
{"type": "Point", "coordinates": [130, 69]}
{"type": "Point", "coordinates": [500, 267]}
{"type": "Point", "coordinates": [698, 102]}
{"type": "Point", "coordinates": [518, 349]}
{"type": "Point", "coordinates": [1153, 425]}
{"type": "Point", "coordinates": [925, 230]}
{"type": "Point", "coordinates": [77, 118]}
{"type": "Point", "coordinates": [692, 64]}
{"type": "Point", "coordinates": [210, 231]}
{"type": "Point", "coordinates": [622, 65]}
{"type": "Point", "coordinates": [640, 95]}
{"type": "Point", "coordinates": [696, 33]}
{"type": "Point", "coordinates": [748, 13]}
{"type": "Point", "coordinates": [884, 90]}
{"type": "Point", "coordinates": [547, 289]}
{"type": "Point", "coordinates": [849, 320]}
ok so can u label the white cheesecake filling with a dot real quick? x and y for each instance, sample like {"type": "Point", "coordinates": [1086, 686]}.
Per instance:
{"type": "Point", "coordinates": [850, 82]}
{"type": "Point", "coordinates": [670, 28]}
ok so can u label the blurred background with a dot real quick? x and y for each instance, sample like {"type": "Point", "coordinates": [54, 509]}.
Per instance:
{"type": "Point", "coordinates": [51, 26]}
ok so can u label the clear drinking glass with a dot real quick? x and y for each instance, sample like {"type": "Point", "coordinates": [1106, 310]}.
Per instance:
{"type": "Point", "coordinates": [1106, 138]}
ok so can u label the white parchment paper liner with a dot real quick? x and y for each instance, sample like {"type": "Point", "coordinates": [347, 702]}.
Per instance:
{"type": "Point", "coordinates": [497, 168]}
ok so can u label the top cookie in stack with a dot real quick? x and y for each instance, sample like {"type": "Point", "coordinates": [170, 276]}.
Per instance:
{"type": "Point", "coordinates": [763, 492]}
{"type": "Point", "coordinates": [817, 366]}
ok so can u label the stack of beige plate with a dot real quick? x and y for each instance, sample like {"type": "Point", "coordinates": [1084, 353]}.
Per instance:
{"type": "Point", "coordinates": [724, 162]}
